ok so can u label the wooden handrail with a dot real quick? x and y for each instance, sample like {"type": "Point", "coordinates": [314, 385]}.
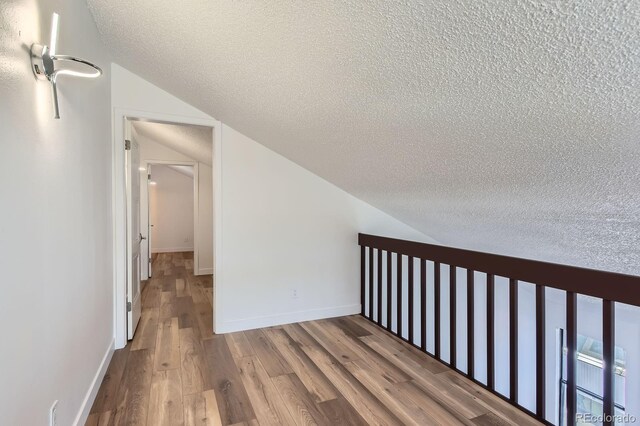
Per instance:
{"type": "Point", "coordinates": [590, 282]}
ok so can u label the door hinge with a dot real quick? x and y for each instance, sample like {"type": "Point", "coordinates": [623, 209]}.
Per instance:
{"type": "Point", "coordinates": [128, 306]}
{"type": "Point", "coordinates": [127, 144]}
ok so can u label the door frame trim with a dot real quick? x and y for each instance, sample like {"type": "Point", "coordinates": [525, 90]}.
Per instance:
{"type": "Point", "coordinates": [119, 117]}
{"type": "Point", "coordinates": [129, 212]}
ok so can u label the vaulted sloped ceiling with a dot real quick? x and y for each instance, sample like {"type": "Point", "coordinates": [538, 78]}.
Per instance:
{"type": "Point", "coordinates": [195, 142]}
{"type": "Point", "coordinates": [510, 126]}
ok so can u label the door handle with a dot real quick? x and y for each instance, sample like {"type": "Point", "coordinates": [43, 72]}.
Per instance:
{"type": "Point", "coordinates": [142, 238]}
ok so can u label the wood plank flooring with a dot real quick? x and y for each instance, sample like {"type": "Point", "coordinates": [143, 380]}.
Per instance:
{"type": "Point", "coordinates": [341, 371]}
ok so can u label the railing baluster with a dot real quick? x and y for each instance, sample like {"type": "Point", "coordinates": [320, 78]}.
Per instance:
{"type": "Point", "coordinates": [436, 304]}
{"type": "Point", "coordinates": [371, 290]}
{"type": "Point", "coordinates": [410, 297]}
{"type": "Point", "coordinates": [572, 340]}
{"type": "Point", "coordinates": [490, 331]}
{"type": "Point", "coordinates": [452, 317]}
{"type": "Point", "coordinates": [540, 351]}
{"type": "Point", "coordinates": [379, 309]}
{"type": "Point", "coordinates": [513, 340]}
{"type": "Point", "coordinates": [399, 295]}
{"type": "Point", "coordinates": [363, 261]}
{"type": "Point", "coordinates": [423, 304]}
{"type": "Point", "coordinates": [389, 289]}
{"type": "Point", "coordinates": [608, 354]}
{"type": "Point", "coordinates": [470, 323]}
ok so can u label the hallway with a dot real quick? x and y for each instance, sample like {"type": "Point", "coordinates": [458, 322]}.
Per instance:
{"type": "Point", "coordinates": [329, 372]}
{"type": "Point", "coordinates": [165, 359]}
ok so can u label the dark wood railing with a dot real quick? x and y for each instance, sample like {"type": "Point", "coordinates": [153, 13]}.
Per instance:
{"type": "Point", "coordinates": [610, 287]}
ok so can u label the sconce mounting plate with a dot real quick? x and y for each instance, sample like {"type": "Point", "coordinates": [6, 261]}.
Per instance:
{"type": "Point", "coordinates": [41, 62]}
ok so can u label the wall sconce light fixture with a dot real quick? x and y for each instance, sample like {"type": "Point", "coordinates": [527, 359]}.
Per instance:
{"type": "Point", "coordinates": [44, 62]}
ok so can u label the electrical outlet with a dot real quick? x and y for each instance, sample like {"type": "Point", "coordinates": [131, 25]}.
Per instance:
{"type": "Point", "coordinates": [294, 293]}
{"type": "Point", "coordinates": [53, 414]}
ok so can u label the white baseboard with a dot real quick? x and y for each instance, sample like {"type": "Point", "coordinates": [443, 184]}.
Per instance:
{"type": "Point", "coordinates": [83, 414]}
{"type": "Point", "coordinates": [286, 318]}
{"type": "Point", "coordinates": [204, 271]}
{"type": "Point", "coordinates": [171, 249]}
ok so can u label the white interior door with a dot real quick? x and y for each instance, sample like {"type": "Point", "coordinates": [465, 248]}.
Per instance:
{"type": "Point", "coordinates": [145, 248]}
{"type": "Point", "coordinates": [134, 238]}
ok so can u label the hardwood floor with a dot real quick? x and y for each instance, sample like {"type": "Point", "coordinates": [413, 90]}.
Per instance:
{"type": "Point", "coordinates": [342, 371]}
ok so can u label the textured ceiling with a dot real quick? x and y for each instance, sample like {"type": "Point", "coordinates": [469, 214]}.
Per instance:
{"type": "Point", "coordinates": [508, 126]}
{"type": "Point", "coordinates": [195, 142]}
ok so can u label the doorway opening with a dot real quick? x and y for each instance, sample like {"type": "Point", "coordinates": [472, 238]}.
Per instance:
{"type": "Point", "coordinates": [169, 216]}
{"type": "Point", "coordinates": [168, 213]}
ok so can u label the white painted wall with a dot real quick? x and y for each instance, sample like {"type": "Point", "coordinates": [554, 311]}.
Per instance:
{"type": "Point", "coordinates": [56, 308]}
{"type": "Point", "coordinates": [286, 229]}
{"type": "Point", "coordinates": [171, 210]}
{"type": "Point", "coordinates": [150, 151]}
